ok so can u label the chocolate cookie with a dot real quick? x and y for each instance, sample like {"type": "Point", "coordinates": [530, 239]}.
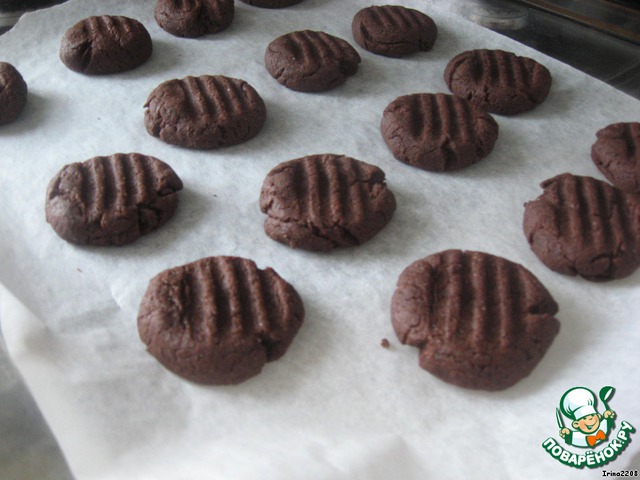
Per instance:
{"type": "Point", "coordinates": [194, 18]}
{"type": "Point", "coordinates": [308, 61]}
{"type": "Point", "coordinates": [13, 93]}
{"type": "Point", "coordinates": [206, 112]}
{"type": "Point", "coordinates": [219, 320]}
{"type": "Point", "coordinates": [616, 153]}
{"type": "Point", "coordinates": [437, 132]}
{"type": "Point", "coordinates": [105, 44]}
{"type": "Point", "coordinates": [271, 3]}
{"type": "Point", "coordinates": [480, 321]}
{"type": "Point", "coordinates": [498, 81]}
{"type": "Point", "coordinates": [321, 202]}
{"type": "Point", "coordinates": [393, 30]}
{"type": "Point", "coordinates": [583, 226]}
{"type": "Point", "coordinates": [111, 200]}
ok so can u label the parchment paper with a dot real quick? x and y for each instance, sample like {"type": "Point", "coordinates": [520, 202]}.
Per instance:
{"type": "Point", "coordinates": [337, 405]}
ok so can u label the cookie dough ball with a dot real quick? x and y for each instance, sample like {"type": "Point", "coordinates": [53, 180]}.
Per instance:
{"type": "Point", "coordinates": [13, 93]}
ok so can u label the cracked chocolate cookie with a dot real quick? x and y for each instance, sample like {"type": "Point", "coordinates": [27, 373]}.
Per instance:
{"type": "Point", "coordinates": [13, 93]}
{"type": "Point", "coordinates": [111, 200]}
{"type": "Point", "coordinates": [310, 61]}
{"type": "Point", "coordinates": [393, 30]}
{"type": "Point", "coordinates": [498, 81]}
{"type": "Point", "coordinates": [583, 226]}
{"type": "Point", "coordinates": [105, 44]}
{"type": "Point", "coordinates": [194, 18]}
{"type": "Point", "coordinates": [437, 132]}
{"type": "Point", "coordinates": [205, 112]}
{"type": "Point", "coordinates": [219, 320]}
{"type": "Point", "coordinates": [616, 153]}
{"type": "Point", "coordinates": [480, 321]}
{"type": "Point", "coordinates": [322, 202]}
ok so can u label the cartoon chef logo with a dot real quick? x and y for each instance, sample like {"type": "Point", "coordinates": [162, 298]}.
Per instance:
{"type": "Point", "coordinates": [582, 425]}
{"type": "Point", "coordinates": [589, 427]}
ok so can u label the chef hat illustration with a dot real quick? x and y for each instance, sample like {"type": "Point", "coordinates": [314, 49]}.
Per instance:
{"type": "Point", "coordinates": [578, 402]}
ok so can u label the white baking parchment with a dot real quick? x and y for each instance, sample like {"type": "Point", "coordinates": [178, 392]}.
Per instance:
{"type": "Point", "coordinates": [338, 405]}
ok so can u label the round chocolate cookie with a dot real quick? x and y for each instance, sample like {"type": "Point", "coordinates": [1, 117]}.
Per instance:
{"type": "Point", "coordinates": [309, 61]}
{"type": "Point", "coordinates": [616, 153]}
{"type": "Point", "coordinates": [393, 30]}
{"type": "Point", "coordinates": [437, 132]}
{"type": "Point", "coordinates": [105, 44]}
{"type": "Point", "coordinates": [194, 18]}
{"type": "Point", "coordinates": [480, 321]}
{"type": "Point", "coordinates": [111, 200]}
{"type": "Point", "coordinates": [271, 3]}
{"type": "Point", "coordinates": [321, 202]}
{"type": "Point", "coordinates": [583, 226]}
{"type": "Point", "coordinates": [498, 81]}
{"type": "Point", "coordinates": [218, 320]}
{"type": "Point", "coordinates": [13, 93]}
{"type": "Point", "coordinates": [206, 112]}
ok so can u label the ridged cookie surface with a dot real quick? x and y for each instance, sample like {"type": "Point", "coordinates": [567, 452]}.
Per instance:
{"type": "Point", "coordinates": [218, 320]}
{"type": "Point", "coordinates": [437, 132]}
{"type": "Point", "coordinates": [205, 112]}
{"type": "Point", "coordinates": [111, 200]}
{"type": "Point", "coordinates": [321, 202]}
{"type": "Point", "coordinates": [311, 61]}
{"type": "Point", "coordinates": [393, 30]}
{"type": "Point", "coordinates": [584, 226]}
{"type": "Point", "coordinates": [480, 321]}
{"type": "Point", "coordinates": [194, 18]}
{"type": "Point", "coordinates": [105, 44]}
{"type": "Point", "coordinates": [498, 81]}
{"type": "Point", "coordinates": [616, 153]}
